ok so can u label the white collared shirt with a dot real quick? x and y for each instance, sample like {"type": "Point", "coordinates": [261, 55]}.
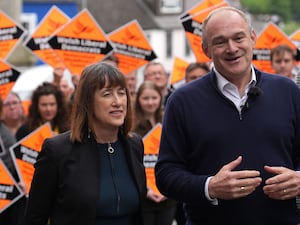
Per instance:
{"type": "Point", "coordinates": [231, 91]}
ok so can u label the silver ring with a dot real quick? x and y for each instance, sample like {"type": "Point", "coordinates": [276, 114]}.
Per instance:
{"type": "Point", "coordinates": [242, 188]}
{"type": "Point", "coordinates": [284, 190]}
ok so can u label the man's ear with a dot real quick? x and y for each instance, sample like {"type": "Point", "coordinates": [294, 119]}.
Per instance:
{"type": "Point", "coordinates": [205, 50]}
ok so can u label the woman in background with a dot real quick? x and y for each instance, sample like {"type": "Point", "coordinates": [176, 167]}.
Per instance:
{"type": "Point", "coordinates": [148, 112]}
{"type": "Point", "coordinates": [47, 105]}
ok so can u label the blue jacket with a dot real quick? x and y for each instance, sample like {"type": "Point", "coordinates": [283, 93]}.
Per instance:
{"type": "Point", "coordinates": [203, 131]}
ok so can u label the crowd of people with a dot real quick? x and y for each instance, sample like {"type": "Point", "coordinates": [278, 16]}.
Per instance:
{"type": "Point", "coordinates": [230, 142]}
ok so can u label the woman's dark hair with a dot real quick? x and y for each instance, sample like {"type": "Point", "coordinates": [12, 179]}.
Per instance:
{"type": "Point", "coordinates": [34, 118]}
{"type": "Point", "coordinates": [93, 78]}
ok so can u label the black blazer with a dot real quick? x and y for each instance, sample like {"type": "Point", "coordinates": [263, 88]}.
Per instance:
{"type": "Point", "coordinates": [66, 181]}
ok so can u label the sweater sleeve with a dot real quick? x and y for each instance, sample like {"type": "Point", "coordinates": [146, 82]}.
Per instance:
{"type": "Point", "coordinates": [173, 177]}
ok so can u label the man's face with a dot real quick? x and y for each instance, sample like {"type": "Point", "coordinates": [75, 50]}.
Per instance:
{"type": "Point", "coordinates": [283, 64]}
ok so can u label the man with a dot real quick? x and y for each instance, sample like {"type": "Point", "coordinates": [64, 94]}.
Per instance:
{"type": "Point", "coordinates": [283, 60]}
{"type": "Point", "coordinates": [131, 80]}
{"type": "Point", "coordinates": [195, 70]}
{"type": "Point", "coordinates": [230, 144]}
{"type": "Point", "coordinates": [156, 72]}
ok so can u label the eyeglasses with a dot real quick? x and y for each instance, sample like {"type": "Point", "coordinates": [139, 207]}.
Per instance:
{"type": "Point", "coordinates": [13, 103]}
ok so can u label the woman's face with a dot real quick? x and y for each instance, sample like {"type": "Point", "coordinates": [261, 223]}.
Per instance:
{"type": "Point", "coordinates": [110, 107]}
{"type": "Point", "coordinates": [47, 107]}
{"type": "Point", "coordinates": [149, 101]}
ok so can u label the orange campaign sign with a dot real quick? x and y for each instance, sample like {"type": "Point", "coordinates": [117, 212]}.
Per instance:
{"type": "Point", "coordinates": [193, 30]}
{"type": "Point", "coordinates": [9, 190]}
{"type": "Point", "coordinates": [270, 37]}
{"type": "Point", "coordinates": [199, 7]}
{"type": "Point", "coordinates": [38, 42]}
{"type": "Point", "coordinates": [131, 47]}
{"type": "Point", "coordinates": [151, 145]}
{"type": "Point", "coordinates": [10, 35]}
{"type": "Point", "coordinates": [27, 150]}
{"type": "Point", "coordinates": [295, 37]}
{"type": "Point", "coordinates": [80, 42]}
{"type": "Point", "coordinates": [8, 77]}
{"type": "Point", "coordinates": [178, 72]}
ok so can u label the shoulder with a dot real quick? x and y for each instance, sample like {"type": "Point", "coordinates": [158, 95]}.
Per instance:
{"type": "Point", "coordinates": [135, 142]}
{"type": "Point", "coordinates": [58, 145]}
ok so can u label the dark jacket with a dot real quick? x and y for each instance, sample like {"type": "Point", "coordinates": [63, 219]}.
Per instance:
{"type": "Point", "coordinates": [65, 186]}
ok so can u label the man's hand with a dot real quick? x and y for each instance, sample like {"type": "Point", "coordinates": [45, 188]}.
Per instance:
{"type": "Point", "coordinates": [284, 185]}
{"type": "Point", "coordinates": [229, 184]}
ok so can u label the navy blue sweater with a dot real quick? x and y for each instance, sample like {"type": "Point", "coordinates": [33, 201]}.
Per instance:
{"type": "Point", "coordinates": [203, 131]}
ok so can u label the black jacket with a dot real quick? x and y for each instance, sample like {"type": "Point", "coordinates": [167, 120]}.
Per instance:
{"type": "Point", "coordinates": [66, 181]}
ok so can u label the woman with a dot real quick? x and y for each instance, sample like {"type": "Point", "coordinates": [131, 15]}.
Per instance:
{"type": "Point", "coordinates": [47, 105]}
{"type": "Point", "coordinates": [13, 115]}
{"type": "Point", "coordinates": [93, 174]}
{"type": "Point", "coordinates": [148, 112]}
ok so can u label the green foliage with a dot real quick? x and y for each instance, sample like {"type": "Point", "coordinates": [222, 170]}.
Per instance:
{"type": "Point", "coordinates": [291, 27]}
{"type": "Point", "coordinates": [287, 10]}
{"type": "Point", "coordinates": [253, 7]}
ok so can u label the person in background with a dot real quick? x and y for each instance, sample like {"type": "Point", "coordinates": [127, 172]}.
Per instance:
{"type": "Point", "coordinates": [65, 85]}
{"type": "Point", "coordinates": [12, 215]}
{"type": "Point", "coordinates": [230, 143]}
{"type": "Point", "coordinates": [283, 60]}
{"type": "Point", "coordinates": [94, 173]}
{"type": "Point", "coordinates": [111, 59]}
{"type": "Point", "coordinates": [47, 105]}
{"type": "Point", "coordinates": [156, 72]}
{"type": "Point", "coordinates": [147, 113]}
{"type": "Point", "coordinates": [131, 80]}
{"type": "Point", "coordinates": [195, 70]}
{"type": "Point", "coordinates": [13, 115]}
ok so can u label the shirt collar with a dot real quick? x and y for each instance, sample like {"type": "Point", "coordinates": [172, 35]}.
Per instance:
{"type": "Point", "coordinates": [222, 82]}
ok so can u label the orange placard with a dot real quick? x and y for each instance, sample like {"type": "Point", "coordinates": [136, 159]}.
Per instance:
{"type": "Point", "coordinates": [199, 7]}
{"type": "Point", "coordinates": [131, 47]}
{"type": "Point", "coordinates": [270, 37]}
{"type": "Point", "coordinates": [178, 72]}
{"type": "Point", "coordinates": [193, 30]}
{"type": "Point", "coordinates": [151, 145]}
{"type": "Point", "coordinates": [10, 35]}
{"type": "Point", "coordinates": [9, 190]}
{"type": "Point", "coordinates": [8, 77]}
{"type": "Point", "coordinates": [38, 42]}
{"type": "Point", "coordinates": [27, 150]}
{"type": "Point", "coordinates": [80, 42]}
{"type": "Point", "coordinates": [295, 37]}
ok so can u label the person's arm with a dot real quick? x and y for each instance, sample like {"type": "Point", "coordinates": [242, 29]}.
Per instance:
{"type": "Point", "coordinates": [43, 187]}
{"type": "Point", "coordinates": [173, 177]}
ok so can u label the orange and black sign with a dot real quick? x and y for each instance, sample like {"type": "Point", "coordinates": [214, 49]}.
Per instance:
{"type": "Point", "coordinates": [131, 47]}
{"type": "Point", "coordinates": [10, 35]}
{"type": "Point", "coordinates": [199, 7]}
{"type": "Point", "coordinates": [8, 77]}
{"type": "Point", "coordinates": [9, 190]}
{"type": "Point", "coordinates": [269, 38]}
{"type": "Point", "coordinates": [193, 30]}
{"type": "Point", "coordinates": [38, 42]}
{"type": "Point", "coordinates": [80, 42]}
{"type": "Point", "coordinates": [151, 145]}
{"type": "Point", "coordinates": [27, 150]}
